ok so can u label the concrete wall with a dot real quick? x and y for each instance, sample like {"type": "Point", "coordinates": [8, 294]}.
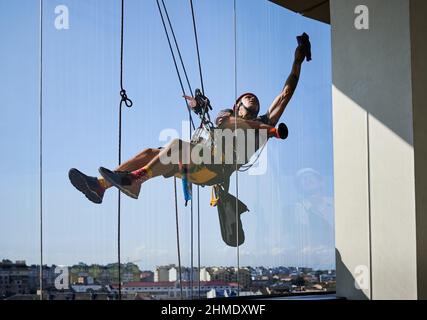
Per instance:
{"type": "Point", "coordinates": [377, 225]}
{"type": "Point", "coordinates": [418, 9]}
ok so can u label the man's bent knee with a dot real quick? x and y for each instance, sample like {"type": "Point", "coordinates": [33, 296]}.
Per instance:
{"type": "Point", "coordinates": [151, 152]}
{"type": "Point", "coordinates": [176, 152]}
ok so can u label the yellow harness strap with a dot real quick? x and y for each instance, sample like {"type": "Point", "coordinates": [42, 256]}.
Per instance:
{"type": "Point", "coordinates": [214, 196]}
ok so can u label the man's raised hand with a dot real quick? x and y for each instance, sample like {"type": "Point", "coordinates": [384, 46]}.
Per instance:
{"type": "Point", "coordinates": [191, 101]}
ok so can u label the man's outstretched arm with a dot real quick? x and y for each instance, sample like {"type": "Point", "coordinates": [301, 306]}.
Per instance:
{"type": "Point", "coordinates": [279, 104]}
{"type": "Point", "coordinates": [231, 123]}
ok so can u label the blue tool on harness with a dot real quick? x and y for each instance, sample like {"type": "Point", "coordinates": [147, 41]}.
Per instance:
{"type": "Point", "coordinates": [186, 186]}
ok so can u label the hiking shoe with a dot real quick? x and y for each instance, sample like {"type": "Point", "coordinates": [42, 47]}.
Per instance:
{"type": "Point", "coordinates": [89, 186]}
{"type": "Point", "coordinates": [123, 180]}
{"type": "Point", "coordinates": [304, 42]}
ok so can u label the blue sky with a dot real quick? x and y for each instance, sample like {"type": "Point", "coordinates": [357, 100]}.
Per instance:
{"type": "Point", "coordinates": [81, 76]}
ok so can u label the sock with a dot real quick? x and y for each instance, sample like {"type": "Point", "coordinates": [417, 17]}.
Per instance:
{"type": "Point", "coordinates": [142, 174]}
{"type": "Point", "coordinates": [103, 183]}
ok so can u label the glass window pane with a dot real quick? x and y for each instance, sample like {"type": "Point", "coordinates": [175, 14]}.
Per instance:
{"type": "Point", "coordinates": [289, 238]}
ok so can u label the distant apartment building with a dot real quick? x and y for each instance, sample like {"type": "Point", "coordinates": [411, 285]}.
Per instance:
{"type": "Point", "coordinates": [186, 274]}
{"type": "Point", "coordinates": [146, 276]}
{"type": "Point", "coordinates": [230, 275]}
{"type": "Point", "coordinates": [14, 278]}
{"type": "Point", "coordinates": [18, 278]}
{"type": "Point", "coordinates": [171, 273]}
{"type": "Point", "coordinates": [161, 274]}
{"type": "Point", "coordinates": [168, 289]}
{"type": "Point", "coordinates": [205, 275]}
{"type": "Point", "coordinates": [128, 277]}
{"type": "Point", "coordinates": [49, 276]}
{"type": "Point", "coordinates": [103, 275]}
{"type": "Point", "coordinates": [85, 288]}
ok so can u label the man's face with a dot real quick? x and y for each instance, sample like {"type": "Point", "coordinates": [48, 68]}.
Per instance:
{"type": "Point", "coordinates": [248, 107]}
{"type": "Point", "coordinates": [310, 183]}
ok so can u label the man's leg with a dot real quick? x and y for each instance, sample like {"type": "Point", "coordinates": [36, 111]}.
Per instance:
{"type": "Point", "coordinates": [137, 162]}
{"type": "Point", "coordinates": [166, 162]}
{"type": "Point", "coordinates": [94, 188]}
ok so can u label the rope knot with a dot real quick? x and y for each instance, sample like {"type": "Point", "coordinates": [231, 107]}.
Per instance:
{"type": "Point", "coordinates": [128, 102]}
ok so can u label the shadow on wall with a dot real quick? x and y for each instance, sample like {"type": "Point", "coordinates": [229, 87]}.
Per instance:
{"type": "Point", "coordinates": [380, 84]}
{"type": "Point", "coordinates": [346, 276]}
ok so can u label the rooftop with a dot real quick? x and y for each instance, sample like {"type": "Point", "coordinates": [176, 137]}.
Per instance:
{"type": "Point", "coordinates": [165, 284]}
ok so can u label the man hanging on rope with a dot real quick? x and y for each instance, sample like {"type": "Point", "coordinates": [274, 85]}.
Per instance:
{"type": "Point", "coordinates": [148, 164]}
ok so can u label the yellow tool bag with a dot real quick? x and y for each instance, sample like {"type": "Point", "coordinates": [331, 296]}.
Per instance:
{"type": "Point", "coordinates": [231, 225]}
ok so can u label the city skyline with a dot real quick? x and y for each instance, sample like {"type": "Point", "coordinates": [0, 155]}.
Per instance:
{"type": "Point", "coordinates": [20, 281]}
{"type": "Point", "coordinates": [82, 263]}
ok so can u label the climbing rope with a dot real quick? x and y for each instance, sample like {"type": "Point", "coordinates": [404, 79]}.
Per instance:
{"type": "Point", "coordinates": [247, 167]}
{"type": "Point", "coordinates": [192, 127]}
{"type": "Point", "coordinates": [174, 60]}
{"type": "Point", "coordinates": [188, 108]}
{"type": "Point", "coordinates": [41, 145]}
{"type": "Point", "coordinates": [203, 117]}
{"type": "Point", "coordinates": [235, 131]}
{"type": "Point", "coordinates": [124, 98]}
{"type": "Point", "coordinates": [197, 46]}
{"type": "Point", "coordinates": [177, 237]}
{"type": "Point", "coordinates": [177, 48]}
{"type": "Point", "coordinates": [198, 236]}
{"type": "Point", "coordinates": [128, 103]}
